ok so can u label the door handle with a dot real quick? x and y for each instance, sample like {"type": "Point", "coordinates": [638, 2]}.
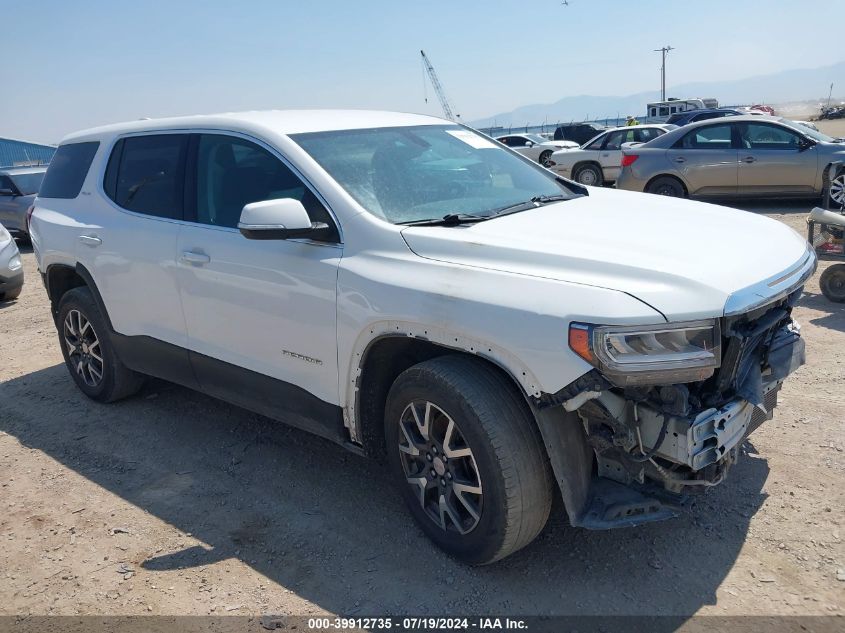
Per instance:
{"type": "Point", "coordinates": [195, 259]}
{"type": "Point", "coordinates": [748, 159]}
{"type": "Point", "coordinates": [90, 240]}
{"type": "Point", "coordinates": [680, 159]}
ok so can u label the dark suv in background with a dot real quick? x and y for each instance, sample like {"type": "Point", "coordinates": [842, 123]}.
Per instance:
{"type": "Point", "coordinates": [578, 132]}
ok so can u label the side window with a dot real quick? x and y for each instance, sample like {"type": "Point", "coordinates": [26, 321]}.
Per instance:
{"type": "Point", "coordinates": [763, 136]}
{"type": "Point", "coordinates": [644, 135]}
{"type": "Point", "coordinates": [709, 137]}
{"type": "Point", "coordinates": [615, 140]}
{"type": "Point", "coordinates": [68, 169]}
{"type": "Point", "coordinates": [664, 110]}
{"type": "Point", "coordinates": [233, 172]}
{"type": "Point", "coordinates": [652, 112]}
{"type": "Point", "coordinates": [146, 174]}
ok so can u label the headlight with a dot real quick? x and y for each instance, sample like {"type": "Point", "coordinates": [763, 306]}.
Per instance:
{"type": "Point", "coordinates": [15, 262]}
{"type": "Point", "coordinates": [650, 354]}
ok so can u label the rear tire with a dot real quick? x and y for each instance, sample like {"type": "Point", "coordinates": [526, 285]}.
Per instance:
{"type": "Point", "coordinates": [832, 283]}
{"type": "Point", "coordinates": [88, 351]}
{"type": "Point", "coordinates": [492, 494]}
{"type": "Point", "coordinates": [667, 186]}
{"type": "Point", "coordinates": [590, 175]}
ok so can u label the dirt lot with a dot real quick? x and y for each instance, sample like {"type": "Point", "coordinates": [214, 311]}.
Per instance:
{"type": "Point", "coordinates": [174, 503]}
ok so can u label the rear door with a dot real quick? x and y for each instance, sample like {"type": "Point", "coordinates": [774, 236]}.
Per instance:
{"type": "Point", "coordinates": [706, 158]}
{"type": "Point", "coordinates": [130, 248]}
{"type": "Point", "coordinates": [774, 160]}
{"type": "Point", "coordinates": [610, 156]}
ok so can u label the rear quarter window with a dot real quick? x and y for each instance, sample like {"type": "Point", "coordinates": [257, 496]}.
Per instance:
{"type": "Point", "coordinates": [67, 170]}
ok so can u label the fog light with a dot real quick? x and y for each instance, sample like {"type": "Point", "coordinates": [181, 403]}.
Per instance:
{"type": "Point", "coordinates": [15, 262]}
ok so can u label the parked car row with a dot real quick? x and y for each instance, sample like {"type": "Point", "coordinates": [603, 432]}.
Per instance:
{"type": "Point", "coordinates": [599, 160]}
{"type": "Point", "coordinates": [737, 156]}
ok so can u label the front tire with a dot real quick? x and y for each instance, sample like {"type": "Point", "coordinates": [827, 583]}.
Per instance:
{"type": "Point", "coordinates": [88, 351]}
{"type": "Point", "coordinates": [545, 158]}
{"type": "Point", "coordinates": [468, 457]}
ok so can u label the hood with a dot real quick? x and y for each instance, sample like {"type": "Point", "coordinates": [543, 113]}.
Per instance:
{"type": "Point", "coordinates": [562, 144]}
{"type": "Point", "coordinates": [683, 258]}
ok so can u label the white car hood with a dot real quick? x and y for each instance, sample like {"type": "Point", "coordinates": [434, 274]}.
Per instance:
{"type": "Point", "coordinates": [683, 258]}
{"type": "Point", "coordinates": [563, 145]}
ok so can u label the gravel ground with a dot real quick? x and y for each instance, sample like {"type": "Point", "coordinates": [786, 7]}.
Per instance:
{"type": "Point", "coordinates": [174, 503]}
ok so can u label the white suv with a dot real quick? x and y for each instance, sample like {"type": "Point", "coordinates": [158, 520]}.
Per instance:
{"type": "Point", "coordinates": [408, 288]}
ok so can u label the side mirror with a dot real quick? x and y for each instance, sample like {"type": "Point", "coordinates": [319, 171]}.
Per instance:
{"type": "Point", "coordinates": [280, 219]}
{"type": "Point", "coordinates": [529, 144]}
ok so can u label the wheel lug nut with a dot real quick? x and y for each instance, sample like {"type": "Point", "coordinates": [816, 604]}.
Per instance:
{"type": "Point", "coordinates": [433, 474]}
{"type": "Point", "coordinates": [434, 450]}
{"type": "Point", "coordinates": [442, 482]}
{"type": "Point", "coordinates": [428, 456]}
{"type": "Point", "coordinates": [449, 476]}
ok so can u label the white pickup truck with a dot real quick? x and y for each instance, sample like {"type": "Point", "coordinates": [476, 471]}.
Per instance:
{"type": "Point", "coordinates": [413, 290]}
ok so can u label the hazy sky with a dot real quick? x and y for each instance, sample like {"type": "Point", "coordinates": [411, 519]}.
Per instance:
{"type": "Point", "coordinates": [75, 64]}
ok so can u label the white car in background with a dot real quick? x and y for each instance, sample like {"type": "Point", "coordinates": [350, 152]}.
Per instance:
{"type": "Point", "coordinates": [535, 147]}
{"type": "Point", "coordinates": [599, 160]}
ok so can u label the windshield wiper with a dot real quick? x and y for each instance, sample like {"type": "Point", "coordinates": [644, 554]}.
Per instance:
{"type": "Point", "coordinates": [533, 203]}
{"type": "Point", "coordinates": [450, 219]}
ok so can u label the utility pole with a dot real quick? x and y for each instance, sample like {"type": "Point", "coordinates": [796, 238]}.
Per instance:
{"type": "Point", "coordinates": [663, 51]}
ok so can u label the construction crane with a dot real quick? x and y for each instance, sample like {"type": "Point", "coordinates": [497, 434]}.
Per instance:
{"type": "Point", "coordinates": [435, 82]}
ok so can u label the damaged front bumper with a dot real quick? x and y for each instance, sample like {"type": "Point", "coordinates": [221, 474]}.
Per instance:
{"type": "Point", "coordinates": [653, 445]}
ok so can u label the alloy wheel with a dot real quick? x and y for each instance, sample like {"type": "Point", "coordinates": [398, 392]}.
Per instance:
{"type": "Point", "coordinates": [439, 465]}
{"type": "Point", "coordinates": [83, 348]}
{"type": "Point", "coordinates": [837, 190]}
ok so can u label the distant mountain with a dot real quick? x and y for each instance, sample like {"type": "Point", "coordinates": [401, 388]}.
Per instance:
{"type": "Point", "coordinates": [781, 87]}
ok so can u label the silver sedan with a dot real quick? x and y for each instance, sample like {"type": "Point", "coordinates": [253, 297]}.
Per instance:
{"type": "Point", "coordinates": [740, 156]}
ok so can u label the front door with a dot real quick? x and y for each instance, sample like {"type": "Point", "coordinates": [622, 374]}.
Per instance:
{"type": "Point", "coordinates": [706, 160]}
{"type": "Point", "coordinates": [261, 314]}
{"type": "Point", "coordinates": [610, 156]}
{"type": "Point", "coordinates": [773, 159]}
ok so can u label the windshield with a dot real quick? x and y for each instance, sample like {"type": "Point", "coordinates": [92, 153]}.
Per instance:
{"type": "Point", "coordinates": [808, 131]}
{"type": "Point", "coordinates": [409, 174]}
{"type": "Point", "coordinates": [28, 183]}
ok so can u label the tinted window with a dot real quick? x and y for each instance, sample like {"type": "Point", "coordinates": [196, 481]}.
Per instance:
{"type": "Point", "coordinates": [148, 176]}
{"type": "Point", "coordinates": [710, 137]}
{"type": "Point", "coordinates": [762, 136]}
{"type": "Point", "coordinates": [6, 183]}
{"type": "Point", "coordinates": [68, 169]}
{"type": "Point", "coordinates": [232, 172]}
